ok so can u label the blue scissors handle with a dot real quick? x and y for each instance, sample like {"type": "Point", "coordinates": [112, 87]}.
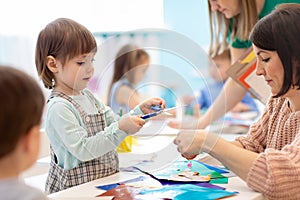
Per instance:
{"type": "Point", "coordinates": [147, 116]}
{"type": "Point", "coordinates": [156, 108]}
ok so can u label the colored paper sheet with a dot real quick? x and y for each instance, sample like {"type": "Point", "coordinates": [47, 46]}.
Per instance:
{"type": "Point", "coordinates": [114, 185]}
{"type": "Point", "coordinates": [203, 195]}
{"type": "Point", "coordinates": [223, 180]}
{"type": "Point", "coordinates": [182, 166]}
{"type": "Point", "coordinates": [122, 192]}
{"type": "Point", "coordinates": [221, 171]}
{"type": "Point", "coordinates": [182, 170]}
{"type": "Point", "coordinates": [142, 181]}
{"type": "Point", "coordinates": [183, 191]}
{"type": "Point", "coordinates": [248, 58]}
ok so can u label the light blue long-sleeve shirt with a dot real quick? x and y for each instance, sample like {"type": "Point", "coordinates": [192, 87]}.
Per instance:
{"type": "Point", "coordinates": [68, 135]}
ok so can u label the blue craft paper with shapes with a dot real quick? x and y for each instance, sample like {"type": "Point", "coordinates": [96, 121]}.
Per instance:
{"type": "Point", "coordinates": [114, 185]}
{"type": "Point", "coordinates": [221, 171]}
{"type": "Point", "coordinates": [180, 166]}
{"type": "Point", "coordinates": [187, 191]}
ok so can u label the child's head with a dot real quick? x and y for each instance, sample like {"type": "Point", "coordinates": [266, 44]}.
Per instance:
{"type": "Point", "coordinates": [61, 41]}
{"type": "Point", "coordinates": [222, 64]}
{"type": "Point", "coordinates": [131, 62]}
{"type": "Point", "coordinates": [21, 106]}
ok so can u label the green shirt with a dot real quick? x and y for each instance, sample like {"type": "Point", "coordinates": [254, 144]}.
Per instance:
{"type": "Point", "coordinates": [268, 7]}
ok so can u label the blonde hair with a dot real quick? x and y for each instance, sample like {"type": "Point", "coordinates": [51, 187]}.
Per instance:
{"type": "Point", "coordinates": [241, 26]}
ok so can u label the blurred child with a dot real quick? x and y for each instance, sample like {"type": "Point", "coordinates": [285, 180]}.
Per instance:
{"type": "Point", "coordinates": [21, 105]}
{"type": "Point", "coordinates": [83, 132]}
{"type": "Point", "coordinates": [210, 92]}
{"type": "Point", "coordinates": [130, 66]}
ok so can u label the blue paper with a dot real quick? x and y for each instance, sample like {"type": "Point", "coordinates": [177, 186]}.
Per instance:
{"type": "Point", "coordinates": [114, 185]}
{"type": "Point", "coordinates": [108, 187]}
{"type": "Point", "coordinates": [203, 195]}
{"type": "Point", "coordinates": [221, 171]}
{"type": "Point", "coordinates": [187, 191]}
{"type": "Point", "coordinates": [180, 166]}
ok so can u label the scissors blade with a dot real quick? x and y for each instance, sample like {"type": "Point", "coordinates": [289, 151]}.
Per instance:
{"type": "Point", "coordinates": [176, 107]}
{"type": "Point", "coordinates": [166, 111]}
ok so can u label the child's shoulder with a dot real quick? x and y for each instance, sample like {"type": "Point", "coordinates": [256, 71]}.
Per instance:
{"type": "Point", "coordinates": [23, 191]}
{"type": "Point", "coordinates": [58, 104]}
{"type": "Point", "coordinates": [94, 97]}
{"type": "Point", "coordinates": [52, 100]}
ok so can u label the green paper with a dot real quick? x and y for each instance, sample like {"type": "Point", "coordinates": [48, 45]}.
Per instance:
{"type": "Point", "coordinates": [219, 180]}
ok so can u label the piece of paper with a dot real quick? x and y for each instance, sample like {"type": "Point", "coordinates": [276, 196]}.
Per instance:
{"type": "Point", "coordinates": [187, 171]}
{"type": "Point", "coordinates": [243, 71]}
{"type": "Point", "coordinates": [187, 191]}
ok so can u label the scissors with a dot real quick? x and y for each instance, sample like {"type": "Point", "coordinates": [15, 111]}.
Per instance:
{"type": "Point", "coordinates": [158, 110]}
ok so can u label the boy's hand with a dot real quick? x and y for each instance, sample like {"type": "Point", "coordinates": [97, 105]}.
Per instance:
{"type": "Point", "coordinates": [131, 124]}
{"type": "Point", "coordinates": [146, 105]}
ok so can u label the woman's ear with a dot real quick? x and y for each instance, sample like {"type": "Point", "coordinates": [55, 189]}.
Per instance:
{"type": "Point", "coordinates": [51, 63]}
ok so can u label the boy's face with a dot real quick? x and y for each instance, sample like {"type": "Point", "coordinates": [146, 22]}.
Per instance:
{"type": "Point", "coordinates": [75, 74]}
{"type": "Point", "coordinates": [218, 72]}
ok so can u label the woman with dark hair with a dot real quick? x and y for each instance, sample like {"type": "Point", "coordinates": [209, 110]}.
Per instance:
{"type": "Point", "coordinates": [268, 157]}
{"type": "Point", "coordinates": [230, 24]}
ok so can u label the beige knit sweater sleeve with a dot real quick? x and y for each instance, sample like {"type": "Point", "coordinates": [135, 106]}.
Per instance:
{"type": "Point", "coordinates": [276, 171]}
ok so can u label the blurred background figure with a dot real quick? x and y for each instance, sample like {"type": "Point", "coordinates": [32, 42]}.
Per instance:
{"type": "Point", "coordinates": [210, 92]}
{"type": "Point", "coordinates": [130, 66]}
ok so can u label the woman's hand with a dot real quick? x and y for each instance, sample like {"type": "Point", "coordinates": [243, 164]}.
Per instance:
{"type": "Point", "coordinates": [189, 142]}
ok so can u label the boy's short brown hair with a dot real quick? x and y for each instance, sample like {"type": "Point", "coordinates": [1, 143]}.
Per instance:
{"type": "Point", "coordinates": [21, 104]}
{"type": "Point", "coordinates": [63, 39]}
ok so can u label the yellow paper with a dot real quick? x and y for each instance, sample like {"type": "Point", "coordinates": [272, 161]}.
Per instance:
{"type": "Point", "coordinates": [126, 145]}
{"type": "Point", "coordinates": [248, 58]}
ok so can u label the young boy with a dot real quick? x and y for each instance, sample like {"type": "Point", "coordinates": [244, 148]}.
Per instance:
{"type": "Point", "coordinates": [21, 106]}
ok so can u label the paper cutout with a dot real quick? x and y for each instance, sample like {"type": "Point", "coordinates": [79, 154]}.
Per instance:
{"type": "Point", "coordinates": [142, 181]}
{"type": "Point", "coordinates": [174, 191]}
{"type": "Point", "coordinates": [183, 171]}
{"type": "Point", "coordinates": [243, 72]}
{"type": "Point", "coordinates": [249, 58]}
{"type": "Point", "coordinates": [187, 191]}
{"type": "Point", "coordinates": [179, 179]}
{"type": "Point", "coordinates": [122, 192]}
{"type": "Point", "coordinates": [114, 185]}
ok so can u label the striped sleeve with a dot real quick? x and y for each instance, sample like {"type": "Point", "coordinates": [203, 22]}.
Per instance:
{"type": "Point", "coordinates": [276, 173]}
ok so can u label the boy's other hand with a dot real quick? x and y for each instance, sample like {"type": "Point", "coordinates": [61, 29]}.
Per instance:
{"type": "Point", "coordinates": [131, 124]}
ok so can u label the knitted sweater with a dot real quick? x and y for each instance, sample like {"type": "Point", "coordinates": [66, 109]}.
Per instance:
{"type": "Point", "coordinates": [275, 136]}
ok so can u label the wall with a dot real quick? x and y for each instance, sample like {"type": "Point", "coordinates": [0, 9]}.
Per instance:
{"type": "Point", "coordinates": [189, 40]}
